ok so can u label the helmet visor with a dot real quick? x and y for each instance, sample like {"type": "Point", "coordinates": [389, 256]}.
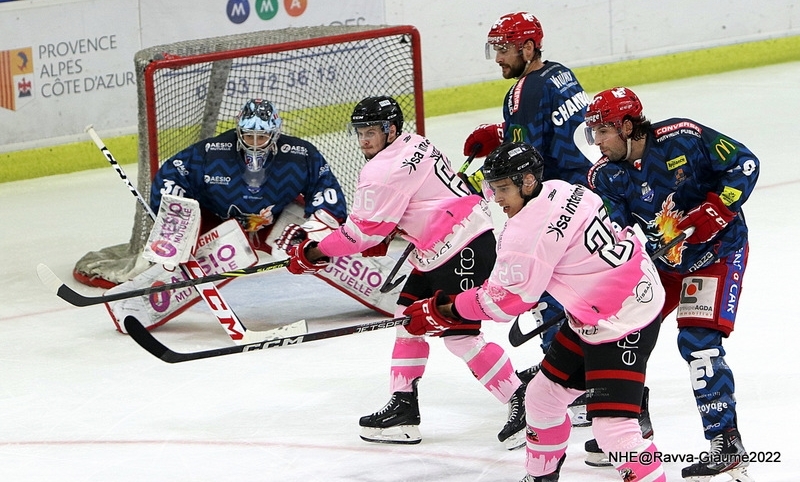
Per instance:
{"type": "Point", "coordinates": [492, 49]}
{"type": "Point", "coordinates": [361, 130]}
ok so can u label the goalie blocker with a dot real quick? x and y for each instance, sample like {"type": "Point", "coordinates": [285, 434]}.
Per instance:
{"type": "Point", "coordinates": [226, 248]}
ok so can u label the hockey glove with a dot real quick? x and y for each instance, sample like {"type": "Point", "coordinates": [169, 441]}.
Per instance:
{"type": "Point", "coordinates": [426, 319]}
{"type": "Point", "coordinates": [474, 182]}
{"type": "Point", "coordinates": [299, 262]}
{"type": "Point", "coordinates": [708, 219]}
{"type": "Point", "coordinates": [488, 136]}
{"type": "Point", "coordinates": [378, 250]}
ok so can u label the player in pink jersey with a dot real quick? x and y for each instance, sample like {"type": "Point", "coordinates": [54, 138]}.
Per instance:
{"type": "Point", "coordinates": [408, 188]}
{"type": "Point", "coordinates": [558, 238]}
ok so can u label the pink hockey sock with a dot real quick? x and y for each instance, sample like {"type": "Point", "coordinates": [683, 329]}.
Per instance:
{"type": "Point", "coordinates": [488, 363]}
{"type": "Point", "coordinates": [409, 357]}
{"type": "Point", "coordinates": [635, 459]}
{"type": "Point", "coordinates": [548, 424]}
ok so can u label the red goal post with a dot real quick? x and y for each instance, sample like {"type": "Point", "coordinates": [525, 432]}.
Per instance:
{"type": "Point", "coordinates": [191, 90]}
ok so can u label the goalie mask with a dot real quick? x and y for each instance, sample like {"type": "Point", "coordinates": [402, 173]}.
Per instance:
{"type": "Point", "coordinates": [512, 160]}
{"type": "Point", "coordinates": [258, 128]}
{"type": "Point", "coordinates": [513, 30]}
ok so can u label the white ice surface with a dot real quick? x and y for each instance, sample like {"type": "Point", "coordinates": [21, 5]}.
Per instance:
{"type": "Point", "coordinates": [81, 402]}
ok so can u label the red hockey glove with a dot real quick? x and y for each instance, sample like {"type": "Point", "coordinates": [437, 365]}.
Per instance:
{"type": "Point", "coordinates": [708, 219]}
{"type": "Point", "coordinates": [379, 249]}
{"type": "Point", "coordinates": [299, 263]}
{"type": "Point", "coordinates": [427, 320]}
{"type": "Point", "coordinates": [487, 136]}
{"type": "Point", "coordinates": [317, 227]}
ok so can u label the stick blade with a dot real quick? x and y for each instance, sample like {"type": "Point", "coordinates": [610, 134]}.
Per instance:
{"type": "Point", "coordinates": [48, 278]}
{"type": "Point", "coordinates": [147, 341]}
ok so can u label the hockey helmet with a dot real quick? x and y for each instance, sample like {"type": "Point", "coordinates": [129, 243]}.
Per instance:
{"type": "Point", "coordinates": [258, 128]}
{"type": "Point", "coordinates": [382, 111]}
{"type": "Point", "coordinates": [514, 29]}
{"type": "Point", "coordinates": [512, 160]}
{"type": "Point", "coordinates": [612, 107]}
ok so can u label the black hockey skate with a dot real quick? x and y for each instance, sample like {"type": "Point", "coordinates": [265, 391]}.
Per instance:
{"type": "Point", "coordinates": [513, 433]}
{"type": "Point", "coordinates": [397, 422]}
{"type": "Point", "coordinates": [596, 458]}
{"type": "Point", "coordinates": [726, 456]}
{"type": "Point", "coordinates": [551, 477]}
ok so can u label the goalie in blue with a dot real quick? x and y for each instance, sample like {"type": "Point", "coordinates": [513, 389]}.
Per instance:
{"type": "Point", "coordinates": [252, 173]}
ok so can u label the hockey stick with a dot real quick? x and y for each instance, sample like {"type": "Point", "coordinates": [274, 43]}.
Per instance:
{"type": "Point", "coordinates": [191, 269]}
{"type": "Point", "coordinates": [147, 341]}
{"type": "Point", "coordinates": [389, 285]}
{"type": "Point", "coordinates": [517, 338]}
{"type": "Point", "coordinates": [54, 284]}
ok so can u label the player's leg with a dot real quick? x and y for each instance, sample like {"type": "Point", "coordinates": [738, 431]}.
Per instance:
{"type": "Point", "coordinates": [398, 421]}
{"type": "Point", "coordinates": [615, 374]}
{"type": "Point", "coordinates": [558, 383]}
{"type": "Point", "coordinates": [706, 314]}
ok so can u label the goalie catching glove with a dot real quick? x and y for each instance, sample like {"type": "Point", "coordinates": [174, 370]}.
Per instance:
{"type": "Point", "coordinates": [708, 219]}
{"type": "Point", "coordinates": [426, 319]}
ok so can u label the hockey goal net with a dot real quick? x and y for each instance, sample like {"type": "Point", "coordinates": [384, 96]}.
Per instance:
{"type": "Point", "coordinates": [191, 90]}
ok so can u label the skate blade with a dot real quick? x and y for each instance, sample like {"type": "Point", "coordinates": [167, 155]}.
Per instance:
{"type": "Point", "coordinates": [515, 441]}
{"type": "Point", "coordinates": [594, 459]}
{"type": "Point", "coordinates": [400, 434]}
{"type": "Point", "coordinates": [738, 474]}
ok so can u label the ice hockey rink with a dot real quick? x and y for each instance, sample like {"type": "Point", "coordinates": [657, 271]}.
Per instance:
{"type": "Point", "coordinates": [81, 402]}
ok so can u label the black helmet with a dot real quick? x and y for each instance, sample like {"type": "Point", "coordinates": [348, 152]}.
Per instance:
{"type": "Point", "coordinates": [381, 110]}
{"type": "Point", "coordinates": [512, 160]}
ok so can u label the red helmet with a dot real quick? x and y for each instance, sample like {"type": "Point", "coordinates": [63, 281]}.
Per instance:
{"type": "Point", "coordinates": [612, 106]}
{"type": "Point", "coordinates": [516, 28]}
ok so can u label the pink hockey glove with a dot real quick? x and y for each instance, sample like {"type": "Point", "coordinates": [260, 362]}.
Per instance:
{"type": "Point", "coordinates": [708, 219]}
{"type": "Point", "coordinates": [487, 136]}
{"type": "Point", "coordinates": [427, 320]}
{"type": "Point", "coordinates": [299, 262]}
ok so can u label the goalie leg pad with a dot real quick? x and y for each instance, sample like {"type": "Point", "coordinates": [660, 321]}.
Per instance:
{"type": "Point", "coordinates": [224, 248]}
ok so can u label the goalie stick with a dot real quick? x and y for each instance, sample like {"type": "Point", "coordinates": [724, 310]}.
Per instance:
{"type": "Point", "coordinates": [517, 338]}
{"type": "Point", "coordinates": [192, 269]}
{"type": "Point", "coordinates": [146, 340]}
{"type": "Point", "coordinates": [54, 284]}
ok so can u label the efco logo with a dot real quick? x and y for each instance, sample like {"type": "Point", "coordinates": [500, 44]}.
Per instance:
{"type": "Point", "coordinates": [238, 11]}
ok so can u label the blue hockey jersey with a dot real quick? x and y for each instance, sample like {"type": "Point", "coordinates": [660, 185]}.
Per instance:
{"type": "Point", "coordinates": [546, 109]}
{"type": "Point", "coordinates": [682, 162]}
{"type": "Point", "coordinates": [213, 172]}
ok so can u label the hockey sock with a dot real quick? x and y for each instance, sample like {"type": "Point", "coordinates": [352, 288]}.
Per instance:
{"type": "Point", "coordinates": [712, 379]}
{"type": "Point", "coordinates": [409, 357]}
{"type": "Point", "coordinates": [622, 439]}
{"type": "Point", "coordinates": [488, 362]}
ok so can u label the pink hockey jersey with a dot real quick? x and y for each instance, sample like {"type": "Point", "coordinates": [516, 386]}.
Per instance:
{"type": "Point", "coordinates": [562, 242]}
{"type": "Point", "coordinates": [410, 186]}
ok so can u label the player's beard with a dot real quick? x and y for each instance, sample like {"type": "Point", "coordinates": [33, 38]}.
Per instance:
{"type": "Point", "coordinates": [513, 71]}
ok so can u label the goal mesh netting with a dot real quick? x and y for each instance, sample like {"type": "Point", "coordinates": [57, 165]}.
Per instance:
{"type": "Point", "coordinates": [191, 90]}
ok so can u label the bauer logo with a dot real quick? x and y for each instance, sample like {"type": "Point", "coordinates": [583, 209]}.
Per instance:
{"type": "Point", "coordinates": [238, 10]}
{"type": "Point", "coordinates": [16, 78]}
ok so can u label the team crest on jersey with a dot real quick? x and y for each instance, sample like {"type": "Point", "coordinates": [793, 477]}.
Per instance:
{"type": "Point", "coordinates": [299, 150]}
